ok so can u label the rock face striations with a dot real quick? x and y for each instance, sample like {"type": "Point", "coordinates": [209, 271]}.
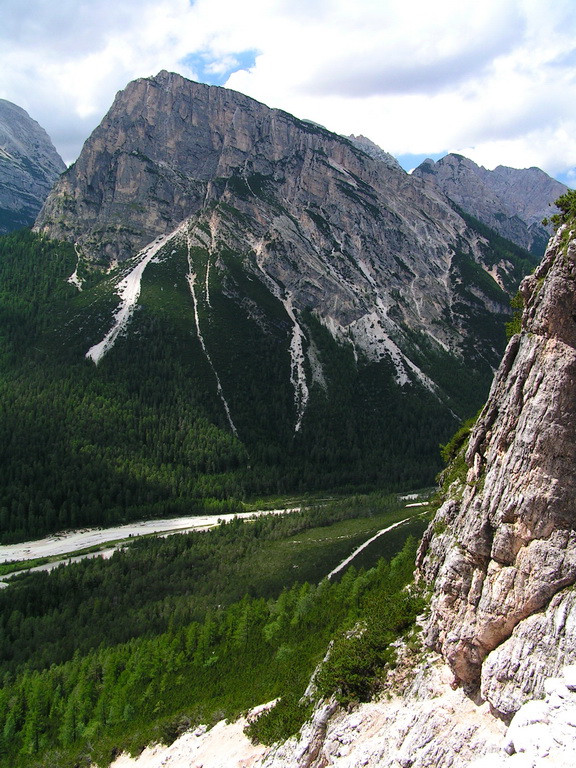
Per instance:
{"type": "Point", "coordinates": [501, 553]}
{"type": "Point", "coordinates": [29, 166]}
{"type": "Point", "coordinates": [328, 224]}
{"type": "Point", "coordinates": [513, 202]}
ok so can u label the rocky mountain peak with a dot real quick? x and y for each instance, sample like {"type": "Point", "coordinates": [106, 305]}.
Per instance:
{"type": "Point", "coordinates": [29, 166]}
{"type": "Point", "coordinates": [372, 149]}
{"type": "Point", "coordinates": [501, 552]}
{"type": "Point", "coordinates": [328, 225]}
{"type": "Point", "coordinates": [511, 201]}
{"type": "Point", "coordinates": [162, 153]}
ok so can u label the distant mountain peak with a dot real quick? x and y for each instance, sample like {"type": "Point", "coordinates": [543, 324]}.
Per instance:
{"type": "Point", "coordinates": [29, 166]}
{"type": "Point", "coordinates": [376, 152]}
{"type": "Point", "coordinates": [511, 201]}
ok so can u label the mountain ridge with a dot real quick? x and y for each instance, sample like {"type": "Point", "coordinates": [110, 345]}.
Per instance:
{"type": "Point", "coordinates": [514, 202]}
{"type": "Point", "coordinates": [515, 494]}
{"type": "Point", "coordinates": [292, 185]}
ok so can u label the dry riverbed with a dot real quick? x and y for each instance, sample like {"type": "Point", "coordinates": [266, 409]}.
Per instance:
{"type": "Point", "coordinates": [59, 546]}
{"type": "Point", "coordinates": [69, 546]}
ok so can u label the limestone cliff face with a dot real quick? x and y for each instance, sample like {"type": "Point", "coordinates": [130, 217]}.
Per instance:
{"type": "Point", "coordinates": [501, 553]}
{"type": "Point", "coordinates": [169, 147]}
{"type": "Point", "coordinates": [330, 224]}
{"type": "Point", "coordinates": [511, 201]}
{"type": "Point", "coordinates": [29, 166]}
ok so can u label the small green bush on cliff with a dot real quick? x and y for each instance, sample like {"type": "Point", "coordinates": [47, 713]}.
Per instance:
{"type": "Point", "coordinates": [515, 325]}
{"type": "Point", "coordinates": [453, 446]}
{"type": "Point", "coordinates": [453, 453]}
{"type": "Point", "coordinates": [567, 205]}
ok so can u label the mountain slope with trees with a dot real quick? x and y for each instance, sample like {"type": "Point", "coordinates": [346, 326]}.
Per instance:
{"type": "Point", "coordinates": [233, 303]}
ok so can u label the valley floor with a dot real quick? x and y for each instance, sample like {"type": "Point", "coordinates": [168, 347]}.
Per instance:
{"type": "Point", "coordinates": [58, 548]}
{"type": "Point", "coordinates": [73, 541]}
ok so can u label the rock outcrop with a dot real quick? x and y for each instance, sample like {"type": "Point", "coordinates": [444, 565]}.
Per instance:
{"type": "Point", "coordinates": [536, 650]}
{"type": "Point", "coordinates": [29, 166]}
{"type": "Point", "coordinates": [503, 557]}
{"type": "Point", "coordinates": [430, 725]}
{"type": "Point", "coordinates": [542, 732]}
{"type": "Point", "coordinates": [511, 201]}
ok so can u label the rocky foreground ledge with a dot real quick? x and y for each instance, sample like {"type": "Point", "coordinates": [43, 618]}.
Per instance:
{"type": "Point", "coordinates": [542, 732]}
{"type": "Point", "coordinates": [432, 725]}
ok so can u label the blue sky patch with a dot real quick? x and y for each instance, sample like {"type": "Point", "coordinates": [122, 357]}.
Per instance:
{"type": "Point", "coordinates": [216, 71]}
{"type": "Point", "coordinates": [409, 162]}
{"type": "Point", "coordinates": [568, 177]}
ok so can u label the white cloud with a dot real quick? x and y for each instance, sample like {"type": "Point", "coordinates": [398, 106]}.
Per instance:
{"type": "Point", "coordinates": [494, 79]}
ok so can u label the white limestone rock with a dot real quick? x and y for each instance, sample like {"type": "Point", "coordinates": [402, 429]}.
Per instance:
{"type": "Point", "coordinates": [543, 732]}
{"type": "Point", "coordinates": [540, 646]}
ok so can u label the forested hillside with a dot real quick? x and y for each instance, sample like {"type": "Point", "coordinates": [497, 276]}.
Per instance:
{"type": "Point", "coordinates": [110, 654]}
{"type": "Point", "coordinates": [144, 432]}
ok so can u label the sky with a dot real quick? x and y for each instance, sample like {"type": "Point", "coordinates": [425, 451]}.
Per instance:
{"type": "Point", "coordinates": [494, 80]}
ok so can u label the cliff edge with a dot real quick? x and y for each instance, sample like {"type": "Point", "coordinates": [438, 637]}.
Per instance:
{"type": "Point", "coordinates": [500, 555]}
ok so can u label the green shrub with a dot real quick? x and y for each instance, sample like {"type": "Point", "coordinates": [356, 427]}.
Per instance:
{"type": "Point", "coordinates": [515, 325]}
{"type": "Point", "coordinates": [453, 446]}
{"type": "Point", "coordinates": [567, 205]}
{"type": "Point", "coordinates": [360, 657]}
{"type": "Point", "coordinates": [280, 722]}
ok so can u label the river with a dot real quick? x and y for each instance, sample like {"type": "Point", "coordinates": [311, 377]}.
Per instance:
{"type": "Point", "coordinates": [75, 541]}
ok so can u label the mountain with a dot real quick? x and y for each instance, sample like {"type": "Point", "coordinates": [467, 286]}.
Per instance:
{"type": "Point", "coordinates": [234, 302]}
{"type": "Point", "coordinates": [511, 201]}
{"type": "Point", "coordinates": [29, 166]}
{"type": "Point", "coordinates": [374, 254]}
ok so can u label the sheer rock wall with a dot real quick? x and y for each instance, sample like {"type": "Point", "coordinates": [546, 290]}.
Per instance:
{"type": "Point", "coordinates": [505, 544]}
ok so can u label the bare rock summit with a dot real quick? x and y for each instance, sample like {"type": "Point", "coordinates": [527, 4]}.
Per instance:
{"type": "Point", "coordinates": [511, 201]}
